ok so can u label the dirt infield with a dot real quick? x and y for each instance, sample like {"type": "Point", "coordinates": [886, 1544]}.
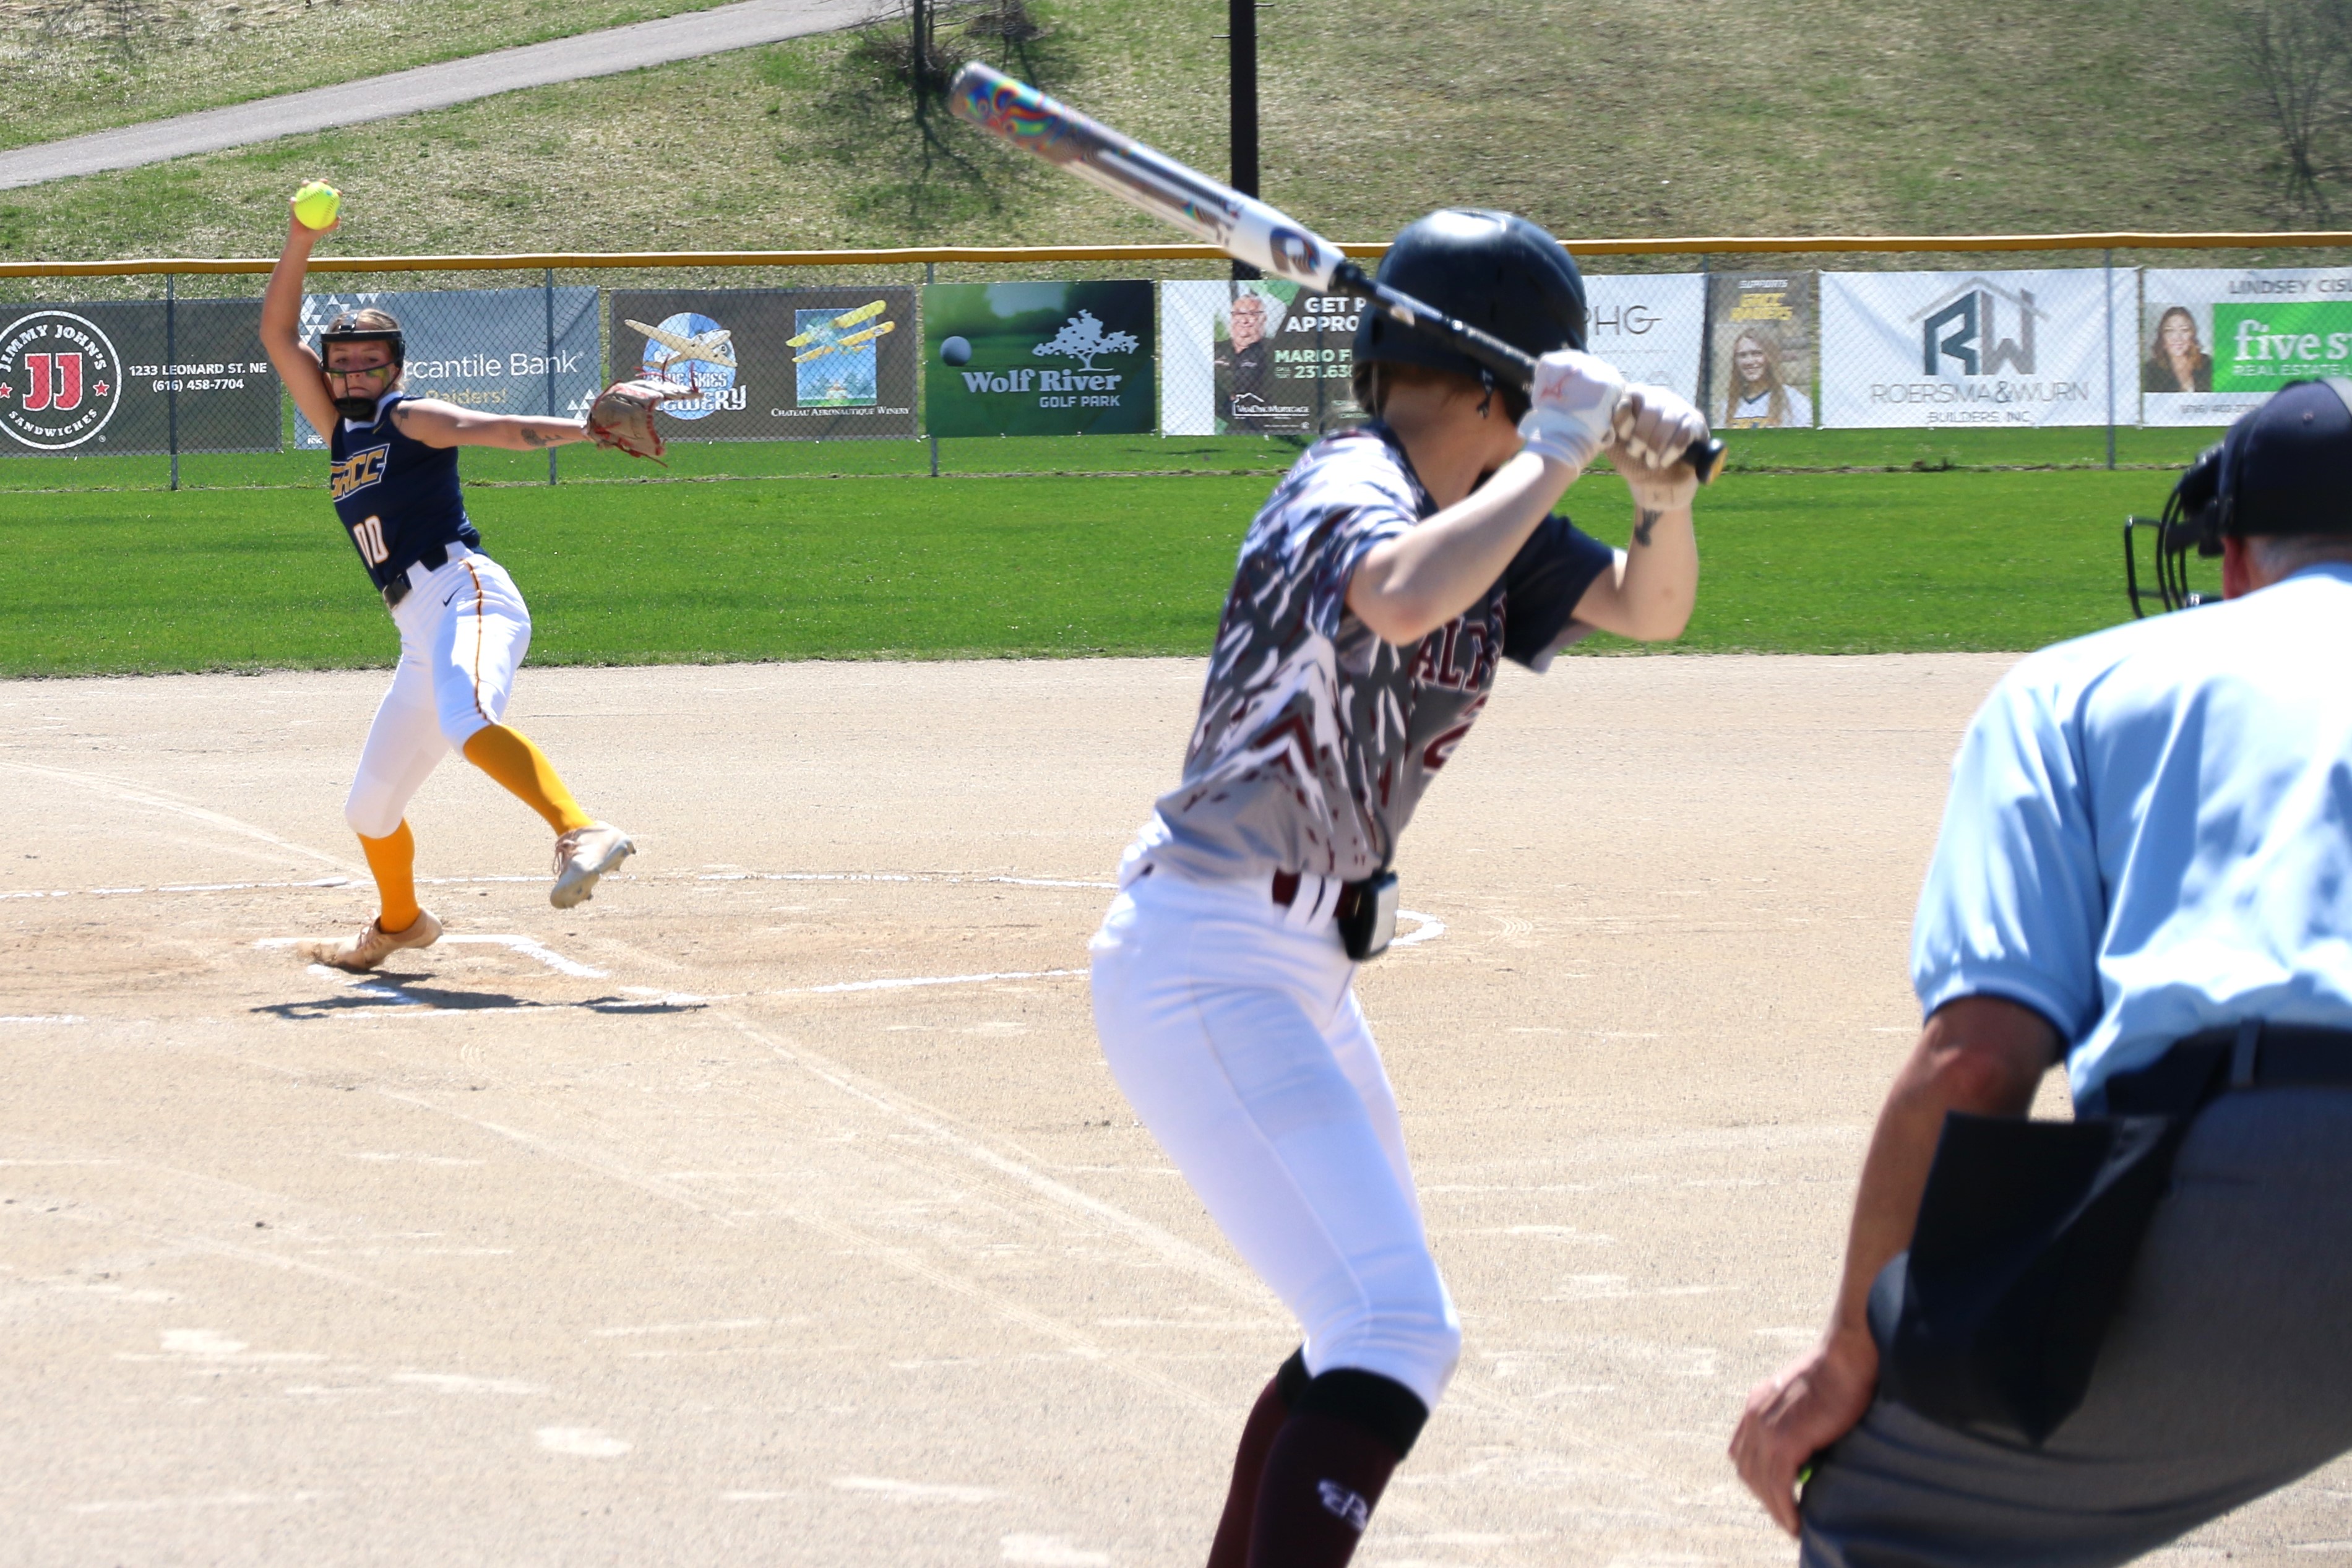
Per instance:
{"type": "Point", "coordinates": [776, 1205]}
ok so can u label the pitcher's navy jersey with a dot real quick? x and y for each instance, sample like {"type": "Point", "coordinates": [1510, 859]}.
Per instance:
{"type": "Point", "coordinates": [397, 497]}
{"type": "Point", "coordinates": [1316, 739]}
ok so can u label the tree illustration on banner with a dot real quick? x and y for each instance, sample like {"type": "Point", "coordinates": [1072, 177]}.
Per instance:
{"type": "Point", "coordinates": [1082, 337]}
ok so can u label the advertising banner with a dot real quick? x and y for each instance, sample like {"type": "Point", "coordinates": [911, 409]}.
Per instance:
{"type": "Point", "coordinates": [481, 348]}
{"type": "Point", "coordinates": [1953, 349]}
{"type": "Point", "coordinates": [1259, 358]}
{"type": "Point", "coordinates": [1650, 326]}
{"type": "Point", "coordinates": [773, 364]}
{"type": "Point", "coordinates": [1762, 343]}
{"type": "Point", "coordinates": [1038, 358]}
{"type": "Point", "coordinates": [122, 377]}
{"type": "Point", "coordinates": [2212, 343]}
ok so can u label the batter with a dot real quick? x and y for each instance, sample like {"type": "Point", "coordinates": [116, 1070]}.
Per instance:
{"type": "Point", "coordinates": [463, 627]}
{"type": "Point", "coordinates": [1392, 570]}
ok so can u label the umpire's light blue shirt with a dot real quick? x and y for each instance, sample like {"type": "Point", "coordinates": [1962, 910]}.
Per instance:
{"type": "Point", "coordinates": [2150, 831]}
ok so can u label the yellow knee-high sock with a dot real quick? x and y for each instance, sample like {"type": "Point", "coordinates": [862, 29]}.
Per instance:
{"type": "Point", "coordinates": [392, 858]}
{"type": "Point", "coordinates": [508, 756]}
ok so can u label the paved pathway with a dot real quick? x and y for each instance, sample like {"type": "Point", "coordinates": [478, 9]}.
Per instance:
{"type": "Point", "coordinates": [740, 26]}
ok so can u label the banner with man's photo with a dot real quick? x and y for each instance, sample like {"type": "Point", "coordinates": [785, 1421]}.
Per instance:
{"type": "Point", "coordinates": [1763, 337]}
{"type": "Point", "coordinates": [1649, 325]}
{"type": "Point", "coordinates": [1038, 358]}
{"type": "Point", "coordinates": [1948, 350]}
{"type": "Point", "coordinates": [480, 348]}
{"type": "Point", "coordinates": [135, 375]}
{"type": "Point", "coordinates": [772, 364]}
{"type": "Point", "coordinates": [1259, 358]}
{"type": "Point", "coordinates": [2214, 342]}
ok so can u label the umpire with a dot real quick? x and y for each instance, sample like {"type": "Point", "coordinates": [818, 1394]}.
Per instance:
{"type": "Point", "coordinates": [2106, 1333]}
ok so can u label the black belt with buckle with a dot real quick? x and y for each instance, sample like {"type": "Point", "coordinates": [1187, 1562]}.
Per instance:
{"type": "Point", "coordinates": [397, 590]}
{"type": "Point", "coordinates": [2251, 1055]}
{"type": "Point", "coordinates": [1365, 912]}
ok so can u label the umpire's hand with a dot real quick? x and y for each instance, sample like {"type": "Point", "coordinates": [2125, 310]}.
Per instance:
{"type": "Point", "coordinates": [1799, 1411]}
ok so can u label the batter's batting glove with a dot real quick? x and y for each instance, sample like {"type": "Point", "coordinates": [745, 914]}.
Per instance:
{"type": "Point", "coordinates": [1652, 430]}
{"type": "Point", "coordinates": [1570, 406]}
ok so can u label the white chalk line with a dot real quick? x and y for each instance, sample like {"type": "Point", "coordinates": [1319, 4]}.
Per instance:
{"type": "Point", "coordinates": [142, 794]}
{"type": "Point", "coordinates": [42, 1018]}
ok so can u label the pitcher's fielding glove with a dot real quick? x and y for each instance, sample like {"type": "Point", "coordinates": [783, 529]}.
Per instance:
{"type": "Point", "coordinates": [622, 415]}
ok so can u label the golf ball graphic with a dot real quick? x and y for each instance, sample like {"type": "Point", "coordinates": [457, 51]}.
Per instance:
{"type": "Point", "coordinates": [955, 350]}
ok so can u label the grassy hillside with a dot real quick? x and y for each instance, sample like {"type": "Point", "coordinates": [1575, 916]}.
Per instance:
{"type": "Point", "coordinates": [1608, 117]}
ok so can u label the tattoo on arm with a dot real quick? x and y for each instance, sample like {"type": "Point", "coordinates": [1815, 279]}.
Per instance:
{"type": "Point", "coordinates": [1644, 521]}
{"type": "Point", "coordinates": [533, 435]}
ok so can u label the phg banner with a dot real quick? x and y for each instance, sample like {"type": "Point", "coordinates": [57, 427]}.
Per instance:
{"type": "Point", "coordinates": [1958, 349]}
{"type": "Point", "coordinates": [1649, 325]}
{"type": "Point", "coordinates": [1762, 331]}
{"type": "Point", "coordinates": [1038, 358]}
{"type": "Point", "coordinates": [125, 376]}
{"type": "Point", "coordinates": [772, 364]}
{"type": "Point", "coordinates": [1259, 358]}
{"type": "Point", "coordinates": [484, 348]}
{"type": "Point", "coordinates": [2213, 343]}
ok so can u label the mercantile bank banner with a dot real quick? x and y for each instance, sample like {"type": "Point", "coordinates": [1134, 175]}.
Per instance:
{"type": "Point", "coordinates": [1976, 349]}
{"type": "Point", "coordinates": [486, 349]}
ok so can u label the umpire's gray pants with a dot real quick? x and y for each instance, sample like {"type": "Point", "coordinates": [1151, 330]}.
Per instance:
{"type": "Point", "coordinates": [2227, 1373]}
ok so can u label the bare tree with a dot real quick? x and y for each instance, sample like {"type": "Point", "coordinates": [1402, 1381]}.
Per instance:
{"type": "Point", "coordinates": [2298, 55]}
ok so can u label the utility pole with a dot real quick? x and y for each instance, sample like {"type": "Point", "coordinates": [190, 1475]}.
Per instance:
{"type": "Point", "coordinates": [1241, 34]}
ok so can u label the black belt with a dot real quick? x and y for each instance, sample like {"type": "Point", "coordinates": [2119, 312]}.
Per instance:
{"type": "Point", "coordinates": [2251, 1055]}
{"type": "Point", "coordinates": [1351, 895]}
{"type": "Point", "coordinates": [397, 590]}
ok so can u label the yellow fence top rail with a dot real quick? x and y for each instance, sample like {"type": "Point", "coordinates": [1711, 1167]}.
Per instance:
{"type": "Point", "coordinates": [1718, 245]}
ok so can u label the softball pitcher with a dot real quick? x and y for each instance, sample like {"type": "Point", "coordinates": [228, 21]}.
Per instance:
{"type": "Point", "coordinates": [1391, 569]}
{"type": "Point", "coordinates": [463, 627]}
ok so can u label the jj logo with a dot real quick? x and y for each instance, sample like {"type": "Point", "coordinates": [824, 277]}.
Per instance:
{"type": "Point", "coordinates": [1964, 327]}
{"type": "Point", "coordinates": [59, 383]}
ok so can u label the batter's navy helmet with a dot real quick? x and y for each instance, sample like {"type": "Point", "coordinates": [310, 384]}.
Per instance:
{"type": "Point", "coordinates": [1495, 270]}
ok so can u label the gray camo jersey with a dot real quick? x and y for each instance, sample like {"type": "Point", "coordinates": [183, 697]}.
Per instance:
{"type": "Point", "coordinates": [1316, 739]}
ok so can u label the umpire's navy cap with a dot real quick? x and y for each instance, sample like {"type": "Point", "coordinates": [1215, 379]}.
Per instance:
{"type": "Point", "coordinates": [2286, 467]}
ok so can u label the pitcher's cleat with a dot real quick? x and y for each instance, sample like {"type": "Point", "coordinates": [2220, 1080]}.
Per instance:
{"type": "Point", "coordinates": [583, 855]}
{"type": "Point", "coordinates": [373, 945]}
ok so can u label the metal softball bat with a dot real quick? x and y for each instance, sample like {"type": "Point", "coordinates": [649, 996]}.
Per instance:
{"type": "Point", "coordinates": [1242, 227]}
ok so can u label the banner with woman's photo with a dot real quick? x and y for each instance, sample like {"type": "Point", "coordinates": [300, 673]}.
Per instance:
{"type": "Point", "coordinates": [1264, 357]}
{"type": "Point", "coordinates": [2005, 350]}
{"type": "Point", "coordinates": [2212, 343]}
{"type": "Point", "coordinates": [1762, 347]}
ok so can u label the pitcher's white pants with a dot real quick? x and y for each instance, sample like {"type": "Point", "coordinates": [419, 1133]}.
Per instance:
{"type": "Point", "coordinates": [1237, 1039]}
{"type": "Point", "coordinates": [463, 633]}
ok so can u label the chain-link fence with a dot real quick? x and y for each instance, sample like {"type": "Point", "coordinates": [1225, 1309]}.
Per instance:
{"type": "Point", "coordinates": [2089, 349]}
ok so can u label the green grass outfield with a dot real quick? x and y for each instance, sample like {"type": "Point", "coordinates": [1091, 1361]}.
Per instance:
{"type": "Point", "coordinates": [131, 582]}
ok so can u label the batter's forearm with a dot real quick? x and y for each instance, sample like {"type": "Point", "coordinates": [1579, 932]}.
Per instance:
{"type": "Point", "coordinates": [1660, 583]}
{"type": "Point", "coordinates": [1409, 585]}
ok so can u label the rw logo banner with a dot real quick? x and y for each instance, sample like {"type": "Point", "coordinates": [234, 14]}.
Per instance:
{"type": "Point", "coordinates": [1958, 349]}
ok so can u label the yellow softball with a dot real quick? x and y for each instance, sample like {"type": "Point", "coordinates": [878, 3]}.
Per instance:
{"type": "Point", "coordinates": [316, 204]}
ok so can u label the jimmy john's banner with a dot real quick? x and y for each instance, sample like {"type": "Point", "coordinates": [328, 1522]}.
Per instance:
{"type": "Point", "coordinates": [126, 376]}
{"type": "Point", "coordinates": [1649, 325]}
{"type": "Point", "coordinates": [772, 364]}
{"type": "Point", "coordinates": [2212, 343]}
{"type": "Point", "coordinates": [485, 349]}
{"type": "Point", "coordinates": [1957, 349]}
{"type": "Point", "coordinates": [1038, 358]}
{"type": "Point", "coordinates": [1762, 335]}
{"type": "Point", "coordinates": [1258, 358]}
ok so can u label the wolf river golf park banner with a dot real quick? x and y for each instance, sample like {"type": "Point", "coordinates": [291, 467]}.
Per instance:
{"type": "Point", "coordinates": [122, 377]}
{"type": "Point", "coordinates": [483, 348]}
{"type": "Point", "coordinates": [1957, 349]}
{"type": "Point", "coordinates": [2214, 342]}
{"type": "Point", "coordinates": [1038, 358]}
{"type": "Point", "coordinates": [772, 364]}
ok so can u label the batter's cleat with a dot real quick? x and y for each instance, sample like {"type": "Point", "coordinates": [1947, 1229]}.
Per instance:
{"type": "Point", "coordinates": [373, 945]}
{"type": "Point", "coordinates": [583, 855]}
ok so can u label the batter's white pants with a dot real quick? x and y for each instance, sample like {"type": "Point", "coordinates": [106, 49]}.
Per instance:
{"type": "Point", "coordinates": [1237, 1039]}
{"type": "Point", "coordinates": [464, 630]}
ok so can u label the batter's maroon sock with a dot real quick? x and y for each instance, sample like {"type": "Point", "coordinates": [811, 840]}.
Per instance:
{"type": "Point", "coordinates": [1265, 1420]}
{"type": "Point", "coordinates": [1347, 1434]}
